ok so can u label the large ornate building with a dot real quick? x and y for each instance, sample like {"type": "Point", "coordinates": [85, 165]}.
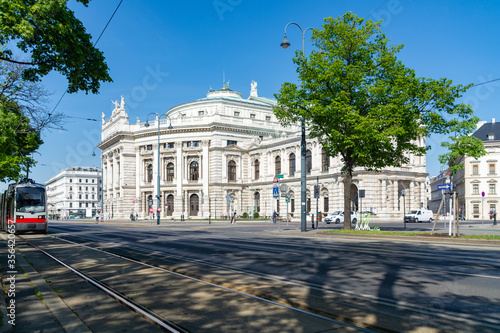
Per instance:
{"type": "Point", "coordinates": [221, 153]}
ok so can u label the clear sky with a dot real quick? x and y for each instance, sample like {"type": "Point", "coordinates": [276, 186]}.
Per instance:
{"type": "Point", "coordinates": [163, 53]}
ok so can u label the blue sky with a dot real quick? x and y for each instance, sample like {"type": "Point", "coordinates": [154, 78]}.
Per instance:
{"type": "Point", "coordinates": [163, 53]}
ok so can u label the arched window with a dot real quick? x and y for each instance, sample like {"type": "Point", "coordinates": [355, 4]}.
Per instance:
{"type": "Point", "coordinates": [193, 171]}
{"type": "Point", "coordinates": [149, 173]}
{"type": "Point", "coordinates": [277, 165]}
{"type": "Point", "coordinates": [231, 171]}
{"type": "Point", "coordinates": [257, 169]}
{"type": "Point", "coordinates": [308, 161]}
{"type": "Point", "coordinates": [256, 202]}
{"type": "Point", "coordinates": [291, 163]}
{"type": "Point", "coordinates": [325, 161]}
{"type": "Point", "coordinates": [170, 204]}
{"type": "Point", "coordinates": [170, 172]}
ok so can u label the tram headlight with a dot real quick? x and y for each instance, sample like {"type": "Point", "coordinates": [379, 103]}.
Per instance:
{"type": "Point", "coordinates": [41, 217]}
{"type": "Point", "coordinates": [19, 217]}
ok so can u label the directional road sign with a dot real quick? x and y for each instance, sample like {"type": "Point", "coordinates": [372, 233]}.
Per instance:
{"type": "Point", "coordinates": [444, 187]}
{"type": "Point", "coordinates": [279, 176]}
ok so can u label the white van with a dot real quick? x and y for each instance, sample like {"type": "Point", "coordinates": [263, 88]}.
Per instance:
{"type": "Point", "coordinates": [421, 215]}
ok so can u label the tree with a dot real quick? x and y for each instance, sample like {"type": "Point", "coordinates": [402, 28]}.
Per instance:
{"type": "Point", "coordinates": [48, 32]}
{"type": "Point", "coordinates": [17, 139]}
{"type": "Point", "coordinates": [362, 103]}
{"type": "Point", "coordinates": [461, 144]}
{"type": "Point", "coordinates": [23, 116]}
{"type": "Point", "coordinates": [30, 97]}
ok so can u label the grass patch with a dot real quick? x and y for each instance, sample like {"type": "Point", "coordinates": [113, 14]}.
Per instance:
{"type": "Point", "coordinates": [493, 237]}
{"type": "Point", "coordinates": [366, 232]}
{"type": "Point", "coordinates": [409, 233]}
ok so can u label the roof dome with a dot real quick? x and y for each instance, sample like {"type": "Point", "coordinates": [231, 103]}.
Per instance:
{"type": "Point", "coordinates": [224, 93]}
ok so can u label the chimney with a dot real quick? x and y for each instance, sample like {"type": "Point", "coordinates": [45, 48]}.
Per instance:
{"type": "Point", "coordinates": [492, 120]}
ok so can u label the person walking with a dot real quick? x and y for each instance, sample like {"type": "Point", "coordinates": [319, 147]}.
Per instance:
{"type": "Point", "coordinates": [274, 216]}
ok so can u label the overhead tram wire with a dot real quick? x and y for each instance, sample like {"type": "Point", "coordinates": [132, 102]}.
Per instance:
{"type": "Point", "coordinates": [97, 41]}
{"type": "Point", "coordinates": [498, 79]}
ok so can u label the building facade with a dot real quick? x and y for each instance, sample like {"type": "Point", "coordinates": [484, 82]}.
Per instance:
{"type": "Point", "coordinates": [477, 183]}
{"type": "Point", "coordinates": [220, 154]}
{"type": "Point", "coordinates": [442, 178]}
{"type": "Point", "coordinates": [74, 192]}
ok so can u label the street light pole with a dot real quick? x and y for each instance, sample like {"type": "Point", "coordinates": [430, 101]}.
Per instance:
{"type": "Point", "coordinates": [285, 44]}
{"type": "Point", "coordinates": [158, 196]}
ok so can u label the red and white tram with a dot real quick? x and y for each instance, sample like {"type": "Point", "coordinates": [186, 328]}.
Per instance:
{"type": "Point", "coordinates": [24, 205]}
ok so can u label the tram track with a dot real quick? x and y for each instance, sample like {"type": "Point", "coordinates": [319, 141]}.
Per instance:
{"type": "Point", "coordinates": [167, 324]}
{"type": "Point", "coordinates": [400, 306]}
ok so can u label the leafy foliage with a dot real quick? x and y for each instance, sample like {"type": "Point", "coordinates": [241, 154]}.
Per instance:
{"type": "Point", "coordinates": [362, 103]}
{"type": "Point", "coordinates": [17, 139]}
{"type": "Point", "coordinates": [50, 34]}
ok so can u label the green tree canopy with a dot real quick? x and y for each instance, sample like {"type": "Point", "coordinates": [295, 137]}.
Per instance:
{"type": "Point", "coordinates": [362, 103]}
{"type": "Point", "coordinates": [17, 139]}
{"type": "Point", "coordinates": [48, 32]}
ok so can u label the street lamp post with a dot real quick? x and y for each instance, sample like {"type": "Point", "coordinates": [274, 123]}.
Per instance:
{"type": "Point", "coordinates": [285, 44]}
{"type": "Point", "coordinates": [158, 196]}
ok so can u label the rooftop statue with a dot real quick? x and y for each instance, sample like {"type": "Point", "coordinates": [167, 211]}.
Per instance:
{"type": "Point", "coordinates": [253, 89]}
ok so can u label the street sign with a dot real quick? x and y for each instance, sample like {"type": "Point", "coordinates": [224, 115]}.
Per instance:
{"type": "Point", "coordinates": [482, 194]}
{"type": "Point", "coordinates": [444, 187]}
{"type": "Point", "coordinates": [275, 180]}
{"type": "Point", "coordinates": [276, 192]}
{"type": "Point", "coordinates": [279, 176]}
{"type": "Point", "coordinates": [361, 193]}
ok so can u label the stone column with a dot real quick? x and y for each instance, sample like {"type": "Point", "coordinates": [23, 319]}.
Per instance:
{"type": "Point", "coordinates": [179, 176]}
{"type": "Point", "coordinates": [383, 201]}
{"type": "Point", "coordinates": [395, 187]}
{"type": "Point", "coordinates": [138, 178]}
{"type": "Point", "coordinates": [206, 175]}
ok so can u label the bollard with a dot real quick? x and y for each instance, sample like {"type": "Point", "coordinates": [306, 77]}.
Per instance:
{"type": "Point", "coordinates": [312, 220]}
{"type": "Point", "coordinates": [495, 219]}
{"type": "Point", "coordinates": [209, 219]}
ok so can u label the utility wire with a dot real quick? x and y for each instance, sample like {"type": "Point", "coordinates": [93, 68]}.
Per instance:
{"type": "Point", "coordinates": [97, 41]}
{"type": "Point", "coordinates": [485, 82]}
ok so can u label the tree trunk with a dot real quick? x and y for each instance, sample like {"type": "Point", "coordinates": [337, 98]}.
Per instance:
{"type": "Point", "coordinates": [347, 200]}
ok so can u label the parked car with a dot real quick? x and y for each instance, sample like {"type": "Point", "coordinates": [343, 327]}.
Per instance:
{"type": "Point", "coordinates": [338, 217]}
{"type": "Point", "coordinates": [421, 215]}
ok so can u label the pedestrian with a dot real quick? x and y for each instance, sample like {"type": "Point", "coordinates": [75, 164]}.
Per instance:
{"type": "Point", "coordinates": [151, 212]}
{"type": "Point", "coordinates": [97, 217]}
{"type": "Point", "coordinates": [131, 217]}
{"type": "Point", "coordinates": [136, 216]}
{"type": "Point", "coordinates": [233, 220]}
{"type": "Point", "coordinates": [274, 216]}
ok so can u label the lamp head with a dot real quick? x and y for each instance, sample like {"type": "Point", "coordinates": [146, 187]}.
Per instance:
{"type": "Point", "coordinates": [170, 126]}
{"type": "Point", "coordinates": [285, 43]}
{"type": "Point", "coordinates": [146, 124]}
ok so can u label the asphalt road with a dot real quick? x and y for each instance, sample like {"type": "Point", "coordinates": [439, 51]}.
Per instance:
{"type": "Point", "coordinates": [459, 283]}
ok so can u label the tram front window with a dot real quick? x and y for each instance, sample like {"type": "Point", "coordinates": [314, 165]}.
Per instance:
{"type": "Point", "coordinates": [30, 200]}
